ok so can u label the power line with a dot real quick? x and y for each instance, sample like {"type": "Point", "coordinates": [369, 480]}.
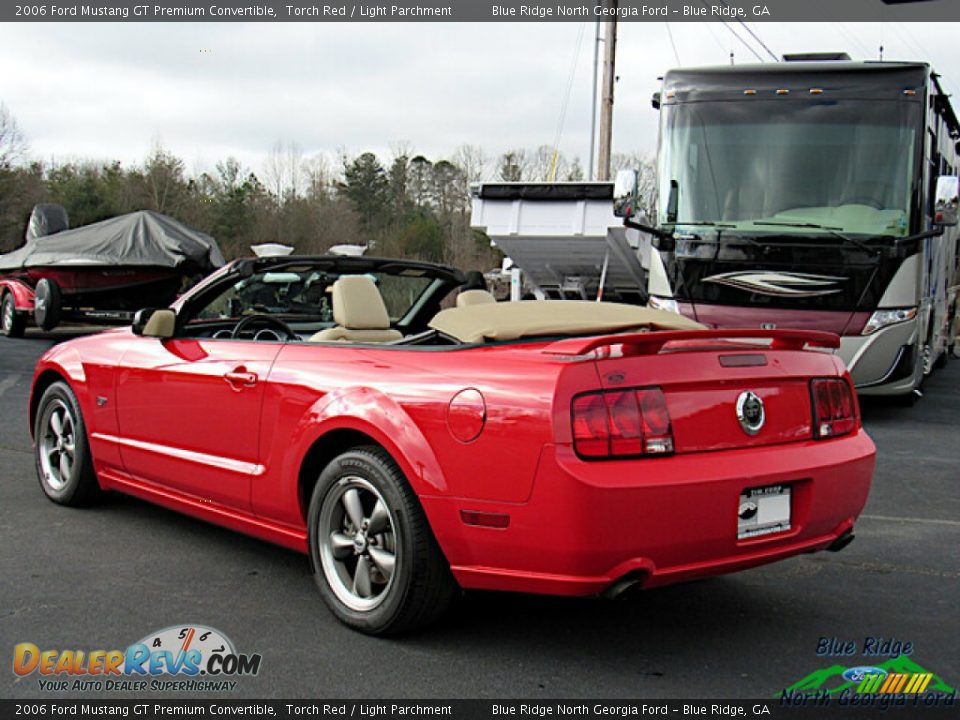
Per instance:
{"type": "Point", "coordinates": [922, 55]}
{"type": "Point", "coordinates": [850, 38]}
{"type": "Point", "coordinates": [715, 38]}
{"type": "Point", "coordinates": [566, 102]}
{"type": "Point", "coordinates": [757, 38]}
{"type": "Point", "coordinates": [733, 32]}
{"type": "Point", "coordinates": [747, 45]}
{"type": "Point", "coordinates": [673, 45]}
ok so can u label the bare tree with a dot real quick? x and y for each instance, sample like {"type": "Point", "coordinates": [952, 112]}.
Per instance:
{"type": "Point", "coordinates": [294, 170]}
{"type": "Point", "coordinates": [401, 149]}
{"type": "Point", "coordinates": [230, 174]}
{"type": "Point", "coordinates": [472, 161]}
{"type": "Point", "coordinates": [13, 144]}
{"type": "Point", "coordinates": [273, 170]}
{"type": "Point", "coordinates": [513, 166]}
{"type": "Point", "coordinates": [318, 176]}
{"type": "Point", "coordinates": [548, 164]}
{"type": "Point", "coordinates": [283, 169]}
{"type": "Point", "coordinates": [164, 185]}
{"type": "Point", "coordinates": [646, 167]}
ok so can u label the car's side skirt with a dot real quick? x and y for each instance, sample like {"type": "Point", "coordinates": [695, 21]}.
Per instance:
{"type": "Point", "coordinates": [293, 538]}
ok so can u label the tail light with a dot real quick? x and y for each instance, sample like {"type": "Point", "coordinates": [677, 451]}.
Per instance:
{"type": "Point", "coordinates": [834, 409]}
{"type": "Point", "coordinates": [624, 423]}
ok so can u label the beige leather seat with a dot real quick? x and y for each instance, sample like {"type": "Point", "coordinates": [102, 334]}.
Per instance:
{"type": "Point", "coordinates": [359, 312]}
{"type": "Point", "coordinates": [474, 297]}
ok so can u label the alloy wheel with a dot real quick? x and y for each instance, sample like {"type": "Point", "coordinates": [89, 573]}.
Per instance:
{"type": "Point", "coordinates": [357, 543]}
{"type": "Point", "coordinates": [6, 321]}
{"type": "Point", "coordinates": [58, 445]}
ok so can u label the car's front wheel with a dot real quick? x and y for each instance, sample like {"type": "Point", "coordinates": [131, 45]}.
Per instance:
{"type": "Point", "coordinates": [375, 559]}
{"type": "Point", "coordinates": [64, 465]}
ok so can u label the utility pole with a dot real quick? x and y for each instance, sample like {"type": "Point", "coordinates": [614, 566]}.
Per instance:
{"type": "Point", "coordinates": [606, 103]}
{"type": "Point", "coordinates": [591, 167]}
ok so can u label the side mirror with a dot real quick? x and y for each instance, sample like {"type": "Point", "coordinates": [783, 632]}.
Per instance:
{"type": "Point", "coordinates": [947, 201]}
{"type": "Point", "coordinates": [155, 322]}
{"type": "Point", "coordinates": [626, 193]}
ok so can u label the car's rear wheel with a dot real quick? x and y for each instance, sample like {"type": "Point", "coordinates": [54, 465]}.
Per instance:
{"type": "Point", "coordinates": [375, 559]}
{"type": "Point", "coordinates": [11, 324]}
{"type": "Point", "coordinates": [64, 465]}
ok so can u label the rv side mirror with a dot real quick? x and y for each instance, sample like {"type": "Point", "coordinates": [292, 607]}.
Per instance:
{"type": "Point", "coordinates": [626, 193]}
{"type": "Point", "coordinates": [947, 200]}
{"type": "Point", "coordinates": [155, 322]}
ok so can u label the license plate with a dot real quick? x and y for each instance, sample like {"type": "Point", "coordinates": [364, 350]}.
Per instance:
{"type": "Point", "coordinates": [763, 511]}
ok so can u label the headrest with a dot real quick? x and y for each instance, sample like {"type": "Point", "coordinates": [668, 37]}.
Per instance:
{"type": "Point", "coordinates": [357, 304]}
{"type": "Point", "coordinates": [474, 297]}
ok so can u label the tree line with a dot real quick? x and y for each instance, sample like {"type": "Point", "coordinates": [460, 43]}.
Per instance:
{"type": "Point", "coordinates": [406, 205]}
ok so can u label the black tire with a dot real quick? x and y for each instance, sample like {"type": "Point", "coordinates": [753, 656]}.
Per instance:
{"type": "Point", "coordinates": [907, 400]}
{"type": "Point", "coordinates": [73, 483]}
{"type": "Point", "coordinates": [420, 586]}
{"type": "Point", "coordinates": [12, 324]}
{"type": "Point", "coordinates": [47, 304]}
{"type": "Point", "coordinates": [941, 362]}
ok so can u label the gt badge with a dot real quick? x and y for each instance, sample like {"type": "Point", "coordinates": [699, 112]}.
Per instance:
{"type": "Point", "coordinates": [750, 412]}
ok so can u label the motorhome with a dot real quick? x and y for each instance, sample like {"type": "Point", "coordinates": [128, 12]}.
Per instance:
{"type": "Point", "coordinates": [804, 194]}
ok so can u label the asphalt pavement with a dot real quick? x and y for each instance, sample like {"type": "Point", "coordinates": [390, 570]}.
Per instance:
{"type": "Point", "coordinates": [105, 577]}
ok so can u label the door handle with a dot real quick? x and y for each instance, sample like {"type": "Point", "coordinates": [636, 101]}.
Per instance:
{"type": "Point", "coordinates": [242, 378]}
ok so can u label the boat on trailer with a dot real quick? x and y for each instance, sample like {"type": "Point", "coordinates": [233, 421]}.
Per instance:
{"type": "Point", "coordinates": [100, 273]}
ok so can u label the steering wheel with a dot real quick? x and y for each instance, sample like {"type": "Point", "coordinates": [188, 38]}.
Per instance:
{"type": "Point", "coordinates": [268, 321]}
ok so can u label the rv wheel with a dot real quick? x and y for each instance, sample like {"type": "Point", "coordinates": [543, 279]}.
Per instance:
{"type": "Point", "coordinates": [47, 304]}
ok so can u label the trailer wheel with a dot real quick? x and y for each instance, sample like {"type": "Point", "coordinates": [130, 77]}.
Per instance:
{"type": "Point", "coordinates": [11, 324]}
{"type": "Point", "coordinates": [47, 304]}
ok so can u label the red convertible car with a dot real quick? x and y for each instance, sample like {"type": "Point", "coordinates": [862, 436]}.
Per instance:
{"type": "Point", "coordinates": [348, 408]}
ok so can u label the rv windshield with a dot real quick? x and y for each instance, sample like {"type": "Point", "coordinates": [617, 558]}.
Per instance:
{"type": "Point", "coordinates": [785, 165]}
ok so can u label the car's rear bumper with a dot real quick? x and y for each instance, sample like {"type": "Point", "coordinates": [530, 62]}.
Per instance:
{"type": "Point", "coordinates": [658, 520]}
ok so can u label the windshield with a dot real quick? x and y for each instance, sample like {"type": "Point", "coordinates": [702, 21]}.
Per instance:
{"type": "Point", "coordinates": [844, 165]}
{"type": "Point", "coordinates": [304, 294]}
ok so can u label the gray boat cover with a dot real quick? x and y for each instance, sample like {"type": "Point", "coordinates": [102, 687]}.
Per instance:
{"type": "Point", "coordinates": [142, 238]}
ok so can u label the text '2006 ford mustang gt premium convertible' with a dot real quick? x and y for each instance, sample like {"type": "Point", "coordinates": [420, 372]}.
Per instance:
{"type": "Point", "coordinates": [331, 405]}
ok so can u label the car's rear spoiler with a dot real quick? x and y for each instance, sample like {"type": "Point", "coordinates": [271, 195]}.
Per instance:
{"type": "Point", "coordinates": [651, 343]}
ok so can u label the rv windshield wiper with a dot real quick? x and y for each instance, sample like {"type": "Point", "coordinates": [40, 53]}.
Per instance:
{"type": "Point", "coordinates": [832, 230]}
{"type": "Point", "coordinates": [656, 232]}
{"type": "Point", "coordinates": [740, 240]}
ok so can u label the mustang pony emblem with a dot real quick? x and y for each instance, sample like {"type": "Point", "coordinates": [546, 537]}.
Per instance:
{"type": "Point", "coordinates": [767, 282]}
{"type": "Point", "coordinates": [750, 412]}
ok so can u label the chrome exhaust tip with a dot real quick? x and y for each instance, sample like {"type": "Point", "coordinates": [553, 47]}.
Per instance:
{"type": "Point", "coordinates": [841, 542]}
{"type": "Point", "coordinates": [619, 587]}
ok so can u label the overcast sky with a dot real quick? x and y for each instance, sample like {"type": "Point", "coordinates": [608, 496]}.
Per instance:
{"type": "Point", "coordinates": [208, 90]}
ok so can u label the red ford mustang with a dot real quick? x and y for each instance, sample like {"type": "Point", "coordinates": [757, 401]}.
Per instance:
{"type": "Point", "coordinates": [330, 404]}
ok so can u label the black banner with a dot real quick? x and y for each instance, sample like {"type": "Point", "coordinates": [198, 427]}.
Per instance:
{"type": "Point", "coordinates": [482, 11]}
{"type": "Point", "coordinates": [907, 708]}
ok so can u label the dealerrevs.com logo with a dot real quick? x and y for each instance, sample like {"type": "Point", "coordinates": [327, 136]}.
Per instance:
{"type": "Point", "coordinates": [188, 658]}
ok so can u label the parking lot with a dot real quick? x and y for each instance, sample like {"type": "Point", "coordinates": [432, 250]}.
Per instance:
{"type": "Point", "coordinates": [105, 577]}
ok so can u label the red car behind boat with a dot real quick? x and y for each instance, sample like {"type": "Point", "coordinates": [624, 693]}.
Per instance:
{"type": "Point", "coordinates": [329, 404]}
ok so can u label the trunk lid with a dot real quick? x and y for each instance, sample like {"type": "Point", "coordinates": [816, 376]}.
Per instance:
{"type": "Point", "coordinates": [712, 384]}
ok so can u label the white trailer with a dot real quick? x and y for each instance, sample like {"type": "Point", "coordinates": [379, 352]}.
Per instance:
{"type": "Point", "coordinates": [564, 238]}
